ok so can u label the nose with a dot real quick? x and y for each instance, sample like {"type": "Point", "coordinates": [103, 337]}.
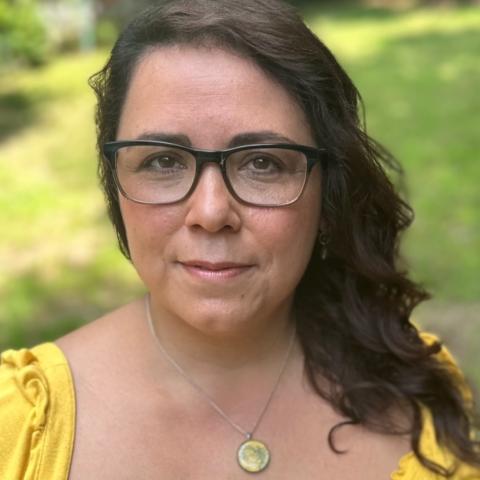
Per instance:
{"type": "Point", "coordinates": [211, 206]}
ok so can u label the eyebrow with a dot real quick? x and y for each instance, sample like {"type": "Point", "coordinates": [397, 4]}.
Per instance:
{"type": "Point", "coordinates": [264, 136]}
{"type": "Point", "coordinates": [245, 138]}
{"type": "Point", "coordinates": [177, 138]}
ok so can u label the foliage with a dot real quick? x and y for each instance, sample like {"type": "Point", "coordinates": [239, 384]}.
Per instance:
{"type": "Point", "coordinates": [106, 33]}
{"type": "Point", "coordinates": [22, 34]}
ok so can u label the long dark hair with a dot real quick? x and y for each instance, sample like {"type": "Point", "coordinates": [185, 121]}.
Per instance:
{"type": "Point", "coordinates": [354, 307]}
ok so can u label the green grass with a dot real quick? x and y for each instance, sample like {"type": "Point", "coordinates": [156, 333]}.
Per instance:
{"type": "Point", "coordinates": [418, 72]}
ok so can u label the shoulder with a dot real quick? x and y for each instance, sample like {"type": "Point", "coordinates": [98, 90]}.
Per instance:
{"type": "Point", "coordinates": [37, 411]}
{"type": "Point", "coordinates": [113, 340]}
{"type": "Point", "coordinates": [448, 362]}
{"type": "Point", "coordinates": [410, 467]}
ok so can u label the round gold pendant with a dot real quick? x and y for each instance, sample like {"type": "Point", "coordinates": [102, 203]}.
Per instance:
{"type": "Point", "coordinates": [253, 456]}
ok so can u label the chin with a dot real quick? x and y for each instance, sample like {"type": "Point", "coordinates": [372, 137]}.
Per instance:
{"type": "Point", "coordinates": [218, 319]}
{"type": "Point", "coordinates": [220, 324]}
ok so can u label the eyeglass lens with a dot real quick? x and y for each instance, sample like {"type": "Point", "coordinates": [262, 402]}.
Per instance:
{"type": "Point", "coordinates": [165, 174]}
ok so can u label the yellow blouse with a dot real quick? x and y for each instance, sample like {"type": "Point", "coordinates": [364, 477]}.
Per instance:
{"type": "Point", "coordinates": [37, 421]}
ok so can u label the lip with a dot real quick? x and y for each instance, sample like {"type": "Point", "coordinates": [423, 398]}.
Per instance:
{"type": "Point", "coordinates": [214, 270]}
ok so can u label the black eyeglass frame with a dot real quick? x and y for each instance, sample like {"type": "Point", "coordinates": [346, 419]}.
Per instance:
{"type": "Point", "coordinates": [313, 156]}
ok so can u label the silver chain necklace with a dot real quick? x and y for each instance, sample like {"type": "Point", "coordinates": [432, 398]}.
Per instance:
{"type": "Point", "coordinates": [252, 455]}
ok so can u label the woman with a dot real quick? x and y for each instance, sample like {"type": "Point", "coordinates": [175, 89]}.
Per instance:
{"type": "Point", "coordinates": [275, 335]}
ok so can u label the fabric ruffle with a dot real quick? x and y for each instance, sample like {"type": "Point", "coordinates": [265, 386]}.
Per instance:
{"type": "Point", "coordinates": [409, 466]}
{"type": "Point", "coordinates": [30, 381]}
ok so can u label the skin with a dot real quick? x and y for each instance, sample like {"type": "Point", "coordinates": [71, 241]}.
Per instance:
{"type": "Point", "coordinates": [135, 414]}
{"type": "Point", "coordinates": [173, 92]}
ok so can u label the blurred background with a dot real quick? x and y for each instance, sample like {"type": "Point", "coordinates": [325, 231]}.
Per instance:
{"type": "Point", "coordinates": [416, 63]}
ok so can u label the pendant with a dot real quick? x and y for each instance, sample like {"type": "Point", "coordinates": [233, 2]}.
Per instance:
{"type": "Point", "coordinates": [253, 456]}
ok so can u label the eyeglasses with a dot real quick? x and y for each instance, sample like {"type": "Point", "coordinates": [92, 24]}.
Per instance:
{"type": "Point", "coordinates": [155, 172]}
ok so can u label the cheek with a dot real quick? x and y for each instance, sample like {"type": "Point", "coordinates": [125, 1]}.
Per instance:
{"type": "Point", "coordinates": [287, 237]}
{"type": "Point", "coordinates": [296, 231]}
{"type": "Point", "coordinates": [148, 227]}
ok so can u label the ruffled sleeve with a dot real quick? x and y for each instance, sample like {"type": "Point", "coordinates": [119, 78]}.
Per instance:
{"type": "Point", "coordinates": [37, 414]}
{"type": "Point", "coordinates": [410, 467]}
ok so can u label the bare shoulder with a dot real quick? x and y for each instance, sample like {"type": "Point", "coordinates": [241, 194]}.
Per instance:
{"type": "Point", "coordinates": [376, 451]}
{"type": "Point", "coordinates": [103, 332]}
{"type": "Point", "coordinates": [105, 344]}
{"type": "Point", "coordinates": [376, 455]}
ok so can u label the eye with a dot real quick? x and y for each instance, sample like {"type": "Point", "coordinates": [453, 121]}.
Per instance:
{"type": "Point", "coordinates": [163, 163]}
{"type": "Point", "coordinates": [262, 164]}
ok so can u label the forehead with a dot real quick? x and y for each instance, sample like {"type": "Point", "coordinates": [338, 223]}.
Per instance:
{"type": "Point", "coordinates": [208, 94]}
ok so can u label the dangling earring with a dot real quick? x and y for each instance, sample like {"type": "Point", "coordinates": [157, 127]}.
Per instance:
{"type": "Point", "coordinates": [323, 240]}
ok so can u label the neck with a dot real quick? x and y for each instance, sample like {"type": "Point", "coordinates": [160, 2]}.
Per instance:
{"type": "Point", "coordinates": [257, 348]}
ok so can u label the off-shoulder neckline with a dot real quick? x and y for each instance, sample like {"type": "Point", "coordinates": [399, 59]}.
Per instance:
{"type": "Point", "coordinates": [50, 354]}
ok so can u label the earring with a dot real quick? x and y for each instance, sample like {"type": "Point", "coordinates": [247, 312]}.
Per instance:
{"type": "Point", "coordinates": [323, 240]}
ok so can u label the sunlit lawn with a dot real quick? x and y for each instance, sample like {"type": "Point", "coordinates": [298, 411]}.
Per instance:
{"type": "Point", "coordinates": [419, 75]}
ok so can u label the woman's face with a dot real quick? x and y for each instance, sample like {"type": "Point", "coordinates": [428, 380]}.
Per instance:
{"type": "Point", "coordinates": [208, 97]}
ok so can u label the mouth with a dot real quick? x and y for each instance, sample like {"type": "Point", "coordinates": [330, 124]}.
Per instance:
{"type": "Point", "coordinates": [214, 270]}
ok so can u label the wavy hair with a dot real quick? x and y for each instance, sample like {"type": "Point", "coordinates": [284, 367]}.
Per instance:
{"type": "Point", "coordinates": [354, 307]}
